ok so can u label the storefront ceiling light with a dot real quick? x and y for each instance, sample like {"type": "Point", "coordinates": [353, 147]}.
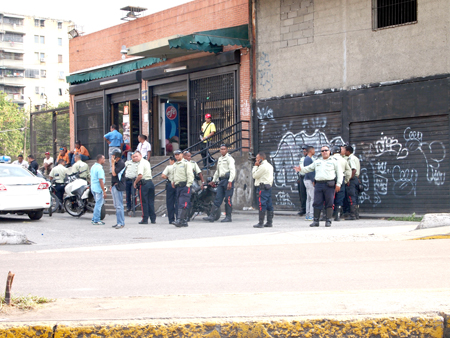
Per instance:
{"type": "Point", "coordinates": [176, 69]}
{"type": "Point", "coordinates": [104, 83]}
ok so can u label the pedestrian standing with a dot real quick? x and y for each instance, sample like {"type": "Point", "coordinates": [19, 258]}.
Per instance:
{"type": "Point", "coordinates": [301, 185]}
{"type": "Point", "coordinates": [115, 141]}
{"type": "Point", "coordinates": [146, 188]}
{"type": "Point", "coordinates": [144, 147]}
{"type": "Point", "coordinates": [20, 161]}
{"type": "Point", "coordinates": [118, 187]}
{"type": "Point", "coordinates": [327, 172]}
{"type": "Point", "coordinates": [208, 131]}
{"type": "Point", "coordinates": [171, 192]}
{"type": "Point", "coordinates": [130, 176]}
{"type": "Point", "coordinates": [59, 173]}
{"type": "Point", "coordinates": [183, 177]}
{"type": "Point", "coordinates": [98, 188]}
{"type": "Point", "coordinates": [262, 172]}
{"type": "Point", "coordinates": [353, 184]}
{"type": "Point", "coordinates": [33, 166]}
{"type": "Point", "coordinates": [308, 182]}
{"type": "Point", "coordinates": [345, 168]}
{"type": "Point", "coordinates": [224, 180]}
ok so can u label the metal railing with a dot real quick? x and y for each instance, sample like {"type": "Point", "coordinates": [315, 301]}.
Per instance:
{"type": "Point", "coordinates": [232, 136]}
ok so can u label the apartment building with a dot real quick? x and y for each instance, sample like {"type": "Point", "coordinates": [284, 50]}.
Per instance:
{"type": "Point", "coordinates": [34, 60]}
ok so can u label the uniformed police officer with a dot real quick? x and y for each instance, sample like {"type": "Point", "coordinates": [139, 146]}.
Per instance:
{"type": "Point", "coordinates": [262, 172]}
{"type": "Point", "coordinates": [224, 180]}
{"type": "Point", "coordinates": [328, 180]}
{"type": "Point", "coordinates": [147, 188]}
{"type": "Point", "coordinates": [353, 185]}
{"type": "Point", "coordinates": [59, 173]}
{"type": "Point", "coordinates": [301, 184]}
{"type": "Point", "coordinates": [196, 169]}
{"type": "Point", "coordinates": [183, 176]}
{"type": "Point", "coordinates": [171, 192]}
{"type": "Point", "coordinates": [345, 168]}
{"type": "Point", "coordinates": [130, 175]}
{"type": "Point", "coordinates": [81, 168]}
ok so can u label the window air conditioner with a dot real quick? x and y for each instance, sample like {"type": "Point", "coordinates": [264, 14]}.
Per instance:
{"type": "Point", "coordinates": [42, 59]}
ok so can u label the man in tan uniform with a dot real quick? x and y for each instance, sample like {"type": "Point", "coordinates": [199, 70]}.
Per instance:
{"type": "Point", "coordinates": [262, 172]}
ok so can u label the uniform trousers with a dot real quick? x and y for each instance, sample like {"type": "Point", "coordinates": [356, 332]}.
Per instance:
{"type": "Point", "coordinates": [339, 198]}
{"type": "Point", "coordinates": [323, 193]}
{"type": "Point", "coordinates": [265, 199]}
{"type": "Point", "coordinates": [171, 201]}
{"type": "Point", "coordinates": [222, 193]}
{"type": "Point", "coordinates": [59, 191]}
{"type": "Point", "coordinates": [147, 197]}
{"type": "Point", "coordinates": [353, 191]}
{"type": "Point", "coordinates": [302, 193]}
{"type": "Point", "coordinates": [183, 197]}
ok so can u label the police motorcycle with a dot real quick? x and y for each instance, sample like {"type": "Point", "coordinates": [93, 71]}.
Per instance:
{"type": "Point", "coordinates": [79, 197]}
{"type": "Point", "coordinates": [202, 200]}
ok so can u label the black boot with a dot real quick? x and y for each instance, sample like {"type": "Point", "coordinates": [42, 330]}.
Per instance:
{"type": "Point", "coordinates": [337, 212]}
{"type": "Point", "coordinates": [184, 217]}
{"type": "Point", "coordinates": [324, 216]}
{"type": "Point", "coordinates": [212, 214]}
{"type": "Point", "coordinates": [357, 212]}
{"type": "Point", "coordinates": [228, 211]}
{"type": "Point", "coordinates": [269, 222]}
{"type": "Point", "coordinates": [262, 214]}
{"type": "Point", "coordinates": [352, 214]}
{"type": "Point", "coordinates": [178, 223]}
{"type": "Point", "coordinates": [329, 217]}
{"type": "Point", "coordinates": [315, 223]}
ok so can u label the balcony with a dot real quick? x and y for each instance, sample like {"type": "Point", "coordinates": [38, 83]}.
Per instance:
{"type": "Point", "coordinates": [16, 98]}
{"type": "Point", "coordinates": [16, 47]}
{"type": "Point", "coordinates": [12, 81]}
{"type": "Point", "coordinates": [14, 28]}
{"type": "Point", "coordinates": [8, 63]}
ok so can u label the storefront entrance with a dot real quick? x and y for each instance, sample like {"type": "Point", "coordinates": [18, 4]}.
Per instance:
{"type": "Point", "coordinates": [125, 115]}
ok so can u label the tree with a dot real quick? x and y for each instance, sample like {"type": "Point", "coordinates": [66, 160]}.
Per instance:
{"type": "Point", "coordinates": [12, 124]}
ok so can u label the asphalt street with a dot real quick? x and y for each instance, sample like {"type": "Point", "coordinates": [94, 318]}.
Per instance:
{"type": "Point", "coordinates": [74, 259]}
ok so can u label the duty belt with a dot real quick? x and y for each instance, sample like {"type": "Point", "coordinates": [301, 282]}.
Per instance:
{"type": "Point", "coordinates": [145, 181]}
{"type": "Point", "coordinates": [180, 184]}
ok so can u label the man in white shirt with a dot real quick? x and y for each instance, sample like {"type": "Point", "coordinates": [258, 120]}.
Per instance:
{"type": "Point", "coordinates": [48, 164]}
{"type": "Point", "coordinates": [21, 162]}
{"type": "Point", "coordinates": [144, 147]}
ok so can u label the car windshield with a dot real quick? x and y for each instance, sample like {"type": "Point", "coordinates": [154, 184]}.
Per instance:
{"type": "Point", "coordinates": [14, 171]}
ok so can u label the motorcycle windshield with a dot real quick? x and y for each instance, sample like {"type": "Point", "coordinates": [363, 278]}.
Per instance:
{"type": "Point", "coordinates": [79, 191]}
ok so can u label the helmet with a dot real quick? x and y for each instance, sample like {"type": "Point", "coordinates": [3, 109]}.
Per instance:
{"type": "Point", "coordinates": [117, 153]}
{"type": "Point", "coordinates": [336, 150]}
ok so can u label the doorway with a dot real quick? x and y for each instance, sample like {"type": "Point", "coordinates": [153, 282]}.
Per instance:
{"type": "Point", "coordinates": [125, 115]}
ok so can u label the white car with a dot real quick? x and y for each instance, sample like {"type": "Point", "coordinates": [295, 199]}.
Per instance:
{"type": "Point", "coordinates": [22, 193]}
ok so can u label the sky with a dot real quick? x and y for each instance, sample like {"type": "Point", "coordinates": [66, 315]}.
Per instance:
{"type": "Point", "coordinates": [92, 15]}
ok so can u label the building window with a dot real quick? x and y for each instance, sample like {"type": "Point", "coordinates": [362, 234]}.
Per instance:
{"type": "Point", "coordinates": [59, 41]}
{"type": "Point", "coordinates": [36, 90]}
{"type": "Point", "coordinates": [12, 37]}
{"type": "Point", "coordinates": [36, 39]}
{"type": "Point", "coordinates": [36, 56]}
{"type": "Point", "coordinates": [59, 58]}
{"type": "Point", "coordinates": [387, 13]}
{"type": "Point", "coordinates": [59, 25]}
{"type": "Point", "coordinates": [61, 75]}
{"type": "Point", "coordinates": [43, 73]}
{"type": "Point", "coordinates": [42, 40]}
{"type": "Point", "coordinates": [42, 57]}
{"type": "Point", "coordinates": [13, 73]}
{"type": "Point", "coordinates": [42, 23]}
{"type": "Point", "coordinates": [36, 22]}
{"type": "Point", "coordinates": [60, 91]}
{"type": "Point", "coordinates": [32, 73]}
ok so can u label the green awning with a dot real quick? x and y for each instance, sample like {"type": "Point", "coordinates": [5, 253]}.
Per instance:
{"type": "Point", "coordinates": [112, 70]}
{"type": "Point", "coordinates": [213, 41]}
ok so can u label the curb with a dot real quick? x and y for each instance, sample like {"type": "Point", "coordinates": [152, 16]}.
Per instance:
{"type": "Point", "coordinates": [433, 326]}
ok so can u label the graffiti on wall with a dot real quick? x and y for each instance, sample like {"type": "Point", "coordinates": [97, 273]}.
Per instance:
{"type": "Point", "coordinates": [242, 196]}
{"type": "Point", "coordinates": [265, 76]}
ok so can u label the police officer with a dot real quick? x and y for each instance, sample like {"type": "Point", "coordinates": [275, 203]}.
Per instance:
{"type": "Point", "coordinates": [147, 188]}
{"type": "Point", "coordinates": [224, 180]}
{"type": "Point", "coordinates": [81, 168]}
{"type": "Point", "coordinates": [59, 173]}
{"type": "Point", "coordinates": [171, 192]}
{"type": "Point", "coordinates": [183, 177]}
{"type": "Point", "coordinates": [131, 168]}
{"type": "Point", "coordinates": [301, 184]}
{"type": "Point", "coordinates": [328, 180]}
{"type": "Point", "coordinates": [196, 169]}
{"type": "Point", "coordinates": [345, 168]}
{"type": "Point", "coordinates": [353, 185]}
{"type": "Point", "coordinates": [262, 172]}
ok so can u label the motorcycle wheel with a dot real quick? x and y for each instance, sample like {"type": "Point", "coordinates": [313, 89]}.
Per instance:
{"type": "Point", "coordinates": [191, 213]}
{"type": "Point", "coordinates": [54, 205]}
{"type": "Point", "coordinates": [103, 212]}
{"type": "Point", "coordinates": [72, 208]}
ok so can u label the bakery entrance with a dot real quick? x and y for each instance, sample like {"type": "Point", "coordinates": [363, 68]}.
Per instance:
{"type": "Point", "coordinates": [125, 115]}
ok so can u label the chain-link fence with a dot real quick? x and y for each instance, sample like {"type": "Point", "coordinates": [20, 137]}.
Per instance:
{"type": "Point", "coordinates": [49, 130]}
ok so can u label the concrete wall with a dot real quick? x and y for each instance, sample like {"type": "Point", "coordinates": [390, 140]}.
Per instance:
{"type": "Point", "coordinates": [306, 45]}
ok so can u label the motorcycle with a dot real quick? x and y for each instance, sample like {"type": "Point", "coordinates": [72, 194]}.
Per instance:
{"type": "Point", "coordinates": [79, 197]}
{"type": "Point", "coordinates": [202, 200]}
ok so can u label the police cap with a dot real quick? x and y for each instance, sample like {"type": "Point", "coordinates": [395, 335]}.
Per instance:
{"type": "Point", "coordinates": [177, 152]}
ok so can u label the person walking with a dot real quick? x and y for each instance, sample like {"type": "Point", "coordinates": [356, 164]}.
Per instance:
{"type": "Point", "coordinates": [183, 177]}
{"type": "Point", "coordinates": [146, 188]}
{"type": "Point", "coordinates": [171, 192]}
{"type": "Point", "coordinates": [98, 188]}
{"type": "Point", "coordinates": [59, 173]}
{"type": "Point", "coordinates": [20, 161]}
{"type": "Point", "coordinates": [308, 182]}
{"type": "Point", "coordinates": [118, 187]}
{"type": "Point", "coordinates": [224, 180]}
{"type": "Point", "coordinates": [208, 131]}
{"type": "Point", "coordinates": [353, 184]}
{"type": "Point", "coordinates": [339, 197]}
{"type": "Point", "coordinates": [302, 194]}
{"type": "Point", "coordinates": [33, 166]}
{"type": "Point", "coordinates": [130, 176]}
{"type": "Point", "coordinates": [144, 147]}
{"type": "Point", "coordinates": [47, 165]}
{"type": "Point", "coordinates": [262, 172]}
{"type": "Point", "coordinates": [327, 171]}
{"type": "Point", "coordinates": [81, 168]}
{"type": "Point", "coordinates": [115, 141]}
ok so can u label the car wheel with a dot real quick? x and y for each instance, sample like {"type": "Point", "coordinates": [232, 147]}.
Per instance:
{"type": "Point", "coordinates": [36, 215]}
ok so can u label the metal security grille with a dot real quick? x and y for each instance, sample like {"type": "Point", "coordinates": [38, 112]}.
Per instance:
{"type": "Point", "coordinates": [388, 13]}
{"type": "Point", "coordinates": [90, 125]}
{"type": "Point", "coordinates": [215, 95]}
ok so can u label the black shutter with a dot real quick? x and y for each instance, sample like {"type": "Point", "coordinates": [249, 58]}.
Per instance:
{"type": "Point", "coordinates": [90, 125]}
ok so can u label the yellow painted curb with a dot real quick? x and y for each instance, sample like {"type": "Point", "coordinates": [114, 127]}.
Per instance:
{"type": "Point", "coordinates": [447, 236]}
{"type": "Point", "coordinates": [421, 327]}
